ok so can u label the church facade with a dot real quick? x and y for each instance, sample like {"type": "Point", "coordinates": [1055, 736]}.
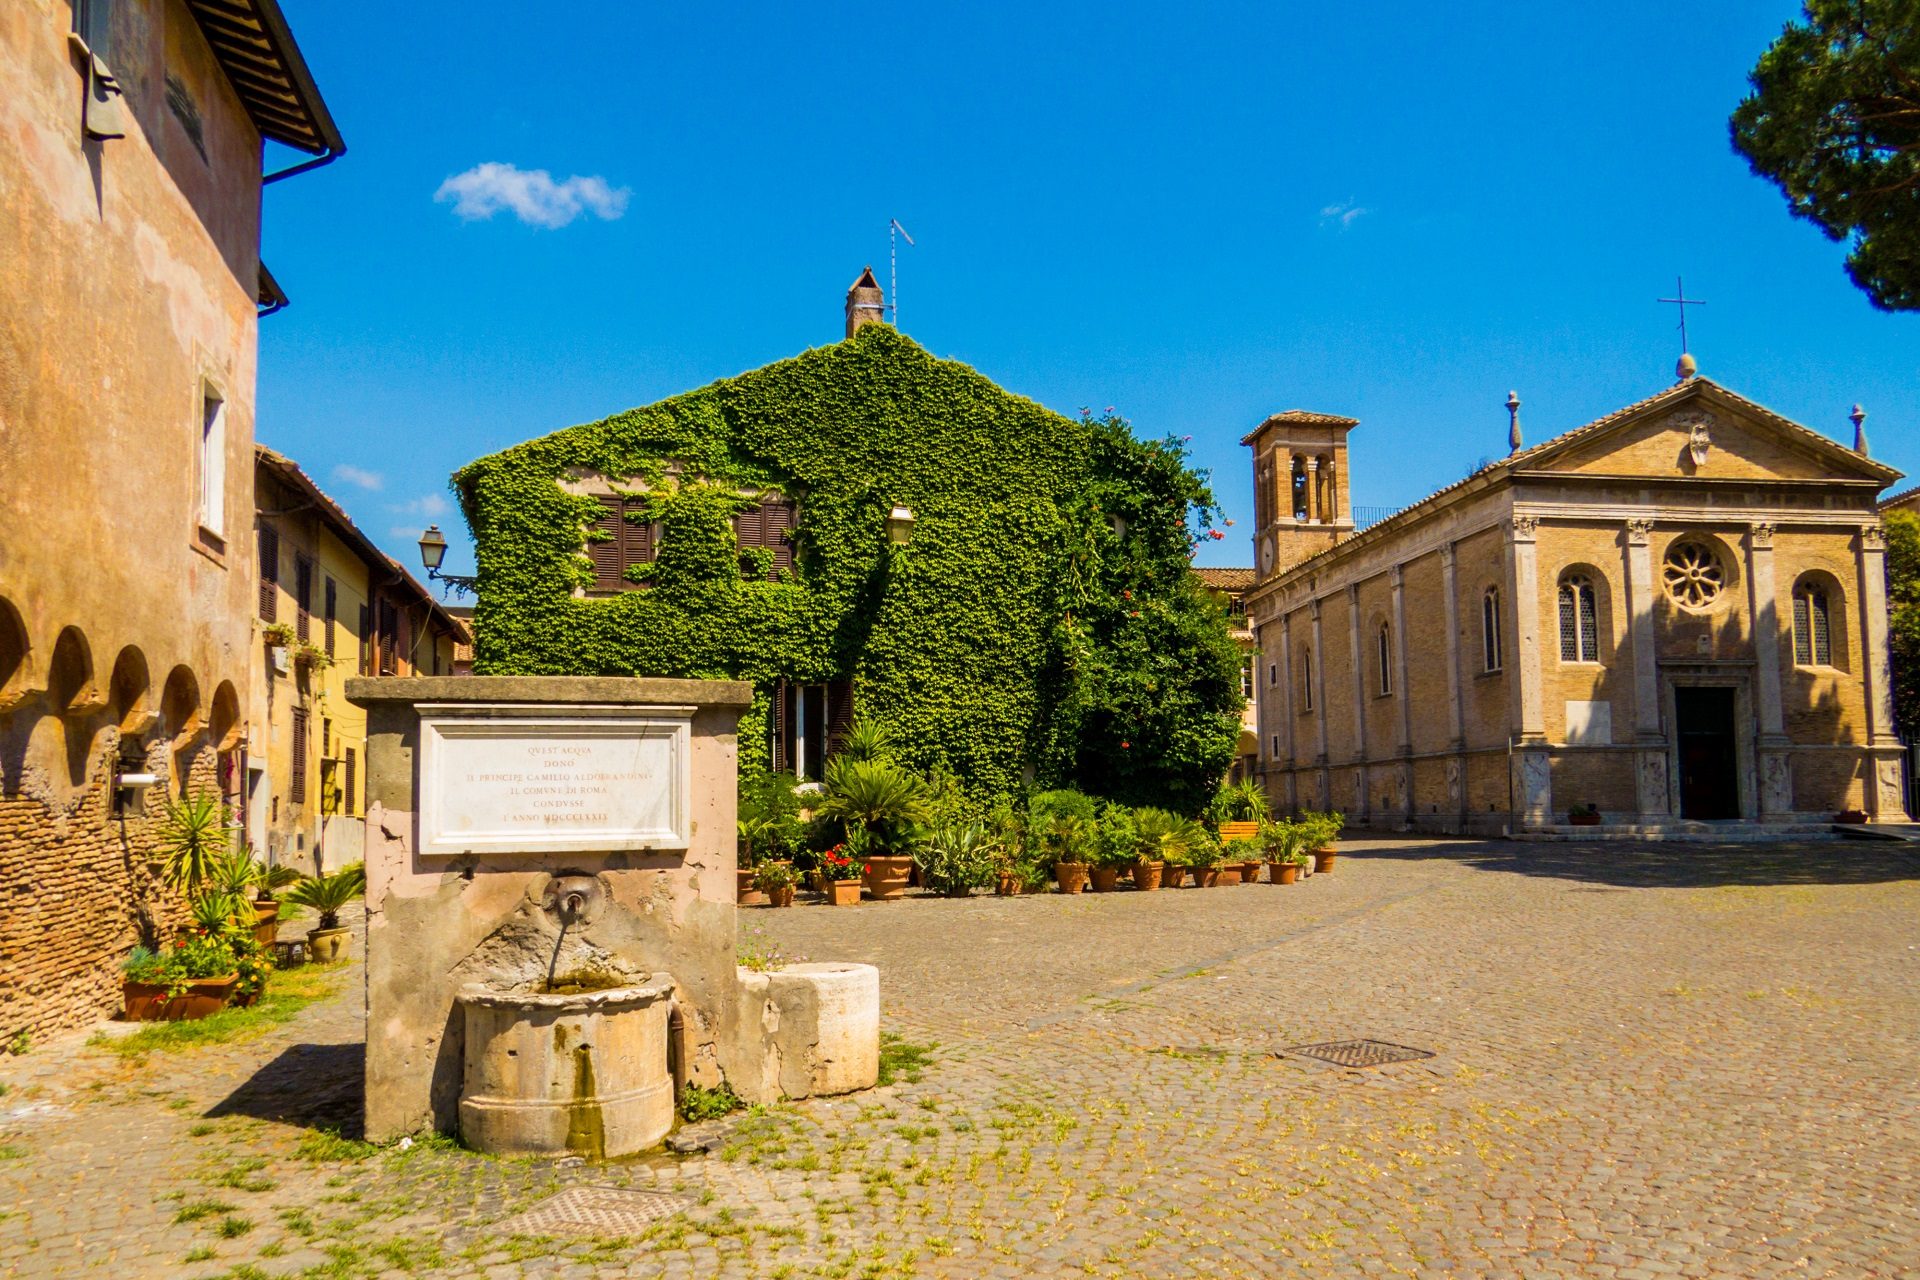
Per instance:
{"type": "Point", "coordinates": [1675, 614]}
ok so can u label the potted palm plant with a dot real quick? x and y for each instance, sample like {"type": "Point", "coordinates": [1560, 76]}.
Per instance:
{"type": "Point", "coordinates": [1202, 857]}
{"type": "Point", "coordinates": [328, 895]}
{"type": "Point", "coordinates": [1116, 845]}
{"type": "Point", "coordinates": [1284, 843]}
{"type": "Point", "coordinates": [882, 805]}
{"type": "Point", "coordinates": [958, 858]}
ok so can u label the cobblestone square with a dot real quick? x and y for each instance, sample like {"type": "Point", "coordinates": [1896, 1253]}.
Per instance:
{"type": "Point", "coordinates": [1647, 1061]}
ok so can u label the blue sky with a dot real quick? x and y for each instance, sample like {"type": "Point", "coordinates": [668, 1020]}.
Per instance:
{"type": "Point", "coordinates": [1198, 213]}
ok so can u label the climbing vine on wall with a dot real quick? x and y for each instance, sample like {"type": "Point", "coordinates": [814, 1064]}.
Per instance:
{"type": "Point", "coordinates": [1041, 622]}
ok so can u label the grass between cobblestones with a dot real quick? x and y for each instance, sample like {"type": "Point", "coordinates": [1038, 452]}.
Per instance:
{"type": "Point", "coordinates": [288, 992]}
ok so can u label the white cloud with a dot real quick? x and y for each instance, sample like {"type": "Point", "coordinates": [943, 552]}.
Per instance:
{"type": "Point", "coordinates": [359, 477]}
{"type": "Point", "coordinates": [1342, 215]}
{"type": "Point", "coordinates": [531, 195]}
{"type": "Point", "coordinates": [430, 506]}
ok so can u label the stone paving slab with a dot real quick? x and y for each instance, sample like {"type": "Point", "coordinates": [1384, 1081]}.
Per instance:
{"type": "Point", "coordinates": [1649, 1061]}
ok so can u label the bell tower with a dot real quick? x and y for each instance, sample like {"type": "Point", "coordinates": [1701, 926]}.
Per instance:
{"type": "Point", "coordinates": [1300, 504]}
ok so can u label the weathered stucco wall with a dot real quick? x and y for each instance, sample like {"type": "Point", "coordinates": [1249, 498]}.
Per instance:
{"type": "Point", "coordinates": [126, 300]}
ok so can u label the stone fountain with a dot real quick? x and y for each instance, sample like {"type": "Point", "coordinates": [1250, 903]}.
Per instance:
{"type": "Point", "coordinates": [551, 918]}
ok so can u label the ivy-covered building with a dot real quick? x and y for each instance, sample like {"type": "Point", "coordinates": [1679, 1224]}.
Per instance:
{"type": "Point", "coordinates": [866, 529]}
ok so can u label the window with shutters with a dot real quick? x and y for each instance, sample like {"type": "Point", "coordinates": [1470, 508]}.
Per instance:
{"type": "Point", "coordinates": [269, 573]}
{"type": "Point", "coordinates": [1579, 620]}
{"type": "Point", "coordinates": [332, 612]}
{"type": "Point", "coordinates": [302, 598]}
{"type": "Point", "coordinates": [297, 784]}
{"type": "Point", "coordinates": [363, 640]}
{"type": "Point", "coordinates": [1490, 630]}
{"type": "Point", "coordinates": [387, 639]}
{"type": "Point", "coordinates": [810, 724]}
{"type": "Point", "coordinates": [618, 540]}
{"type": "Point", "coordinates": [213, 462]}
{"type": "Point", "coordinates": [1812, 627]}
{"type": "Point", "coordinates": [348, 804]}
{"type": "Point", "coordinates": [769, 525]}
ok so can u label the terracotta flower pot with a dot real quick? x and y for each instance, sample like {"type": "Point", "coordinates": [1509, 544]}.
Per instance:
{"type": "Point", "coordinates": [203, 998]}
{"type": "Point", "coordinates": [781, 897]}
{"type": "Point", "coordinates": [1172, 875]}
{"type": "Point", "coordinates": [1250, 872]}
{"type": "Point", "coordinates": [1105, 879]}
{"type": "Point", "coordinates": [1005, 885]}
{"type": "Point", "coordinates": [887, 877]}
{"type": "Point", "coordinates": [744, 891]}
{"type": "Point", "coordinates": [1071, 875]}
{"type": "Point", "coordinates": [1205, 877]}
{"type": "Point", "coordinates": [1146, 876]}
{"type": "Point", "coordinates": [324, 946]}
{"type": "Point", "coordinates": [266, 922]}
{"type": "Point", "coordinates": [1283, 872]}
{"type": "Point", "coordinates": [843, 893]}
{"type": "Point", "coordinates": [1322, 861]}
{"type": "Point", "coordinates": [1225, 874]}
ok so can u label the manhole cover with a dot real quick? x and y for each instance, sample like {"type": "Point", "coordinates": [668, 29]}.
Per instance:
{"type": "Point", "coordinates": [604, 1211]}
{"type": "Point", "coordinates": [1359, 1053]}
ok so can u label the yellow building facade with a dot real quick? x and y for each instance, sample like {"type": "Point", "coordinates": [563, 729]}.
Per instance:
{"type": "Point", "coordinates": [1671, 619]}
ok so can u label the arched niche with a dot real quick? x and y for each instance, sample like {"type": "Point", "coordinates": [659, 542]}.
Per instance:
{"type": "Point", "coordinates": [13, 656]}
{"type": "Point", "coordinates": [224, 722]}
{"type": "Point", "coordinates": [71, 687]}
{"type": "Point", "coordinates": [130, 693]}
{"type": "Point", "coordinates": [180, 706]}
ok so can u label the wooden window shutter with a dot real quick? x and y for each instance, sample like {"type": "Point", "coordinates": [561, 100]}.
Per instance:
{"type": "Point", "coordinates": [269, 573]}
{"type": "Point", "coordinates": [777, 718]}
{"type": "Point", "coordinates": [750, 526]}
{"type": "Point", "coordinates": [333, 611]}
{"type": "Point", "coordinates": [389, 634]}
{"type": "Point", "coordinates": [302, 598]}
{"type": "Point", "coordinates": [297, 785]}
{"type": "Point", "coordinates": [346, 798]}
{"type": "Point", "coordinates": [638, 536]}
{"type": "Point", "coordinates": [608, 548]}
{"type": "Point", "coordinates": [781, 520]}
{"type": "Point", "coordinates": [365, 637]}
{"type": "Point", "coordinates": [839, 715]}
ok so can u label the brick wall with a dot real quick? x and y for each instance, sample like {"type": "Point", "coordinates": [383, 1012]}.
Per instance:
{"type": "Point", "coordinates": [80, 891]}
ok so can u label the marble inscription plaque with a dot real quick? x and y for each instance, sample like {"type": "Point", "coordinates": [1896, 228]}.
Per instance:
{"type": "Point", "coordinates": [514, 778]}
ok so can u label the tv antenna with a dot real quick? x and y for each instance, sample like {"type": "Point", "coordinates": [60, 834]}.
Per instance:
{"type": "Point", "coordinates": [895, 233]}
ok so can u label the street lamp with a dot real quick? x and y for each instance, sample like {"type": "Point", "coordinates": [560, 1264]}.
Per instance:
{"type": "Point", "coordinates": [900, 526]}
{"type": "Point", "coordinates": [433, 550]}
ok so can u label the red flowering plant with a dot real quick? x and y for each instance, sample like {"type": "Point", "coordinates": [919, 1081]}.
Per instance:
{"type": "Point", "coordinates": [837, 864]}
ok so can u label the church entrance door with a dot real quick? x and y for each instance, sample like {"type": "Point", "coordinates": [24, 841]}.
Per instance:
{"type": "Point", "coordinates": [1709, 766]}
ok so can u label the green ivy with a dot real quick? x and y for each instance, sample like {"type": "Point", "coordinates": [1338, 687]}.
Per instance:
{"type": "Point", "coordinates": [1019, 636]}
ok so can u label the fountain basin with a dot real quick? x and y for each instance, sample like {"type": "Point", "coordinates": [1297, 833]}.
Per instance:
{"type": "Point", "coordinates": [556, 1075]}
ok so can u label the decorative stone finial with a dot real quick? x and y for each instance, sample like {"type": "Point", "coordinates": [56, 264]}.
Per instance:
{"type": "Point", "coordinates": [1859, 419]}
{"type": "Point", "coordinates": [1513, 424]}
{"type": "Point", "coordinates": [1687, 366]}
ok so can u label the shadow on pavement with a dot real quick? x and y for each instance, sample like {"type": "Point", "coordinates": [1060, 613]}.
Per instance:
{"type": "Point", "coordinates": [1637, 865]}
{"type": "Point", "coordinates": [316, 1086]}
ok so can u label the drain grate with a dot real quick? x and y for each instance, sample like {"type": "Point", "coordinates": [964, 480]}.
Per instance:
{"type": "Point", "coordinates": [1359, 1053]}
{"type": "Point", "coordinates": [604, 1211]}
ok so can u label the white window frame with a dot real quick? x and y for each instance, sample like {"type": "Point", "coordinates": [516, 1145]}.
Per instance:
{"type": "Point", "coordinates": [213, 461]}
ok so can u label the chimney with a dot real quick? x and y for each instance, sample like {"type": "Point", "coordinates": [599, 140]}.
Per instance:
{"type": "Point", "coordinates": [866, 304]}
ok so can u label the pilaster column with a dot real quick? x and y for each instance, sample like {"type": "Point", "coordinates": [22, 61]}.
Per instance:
{"type": "Point", "coordinates": [1358, 668]}
{"type": "Point", "coordinates": [1650, 760]}
{"type": "Point", "coordinates": [1884, 795]}
{"type": "Point", "coordinates": [1456, 774]}
{"type": "Point", "coordinates": [1533, 771]}
{"type": "Point", "coordinates": [1774, 762]}
{"type": "Point", "coordinates": [1404, 747]}
{"type": "Point", "coordinates": [1317, 673]}
{"type": "Point", "coordinates": [1284, 700]}
{"type": "Point", "coordinates": [1313, 492]}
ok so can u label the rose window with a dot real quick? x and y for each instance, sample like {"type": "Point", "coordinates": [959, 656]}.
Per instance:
{"type": "Point", "coordinates": [1693, 575]}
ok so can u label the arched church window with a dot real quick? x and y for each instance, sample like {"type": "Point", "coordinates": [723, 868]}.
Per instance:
{"type": "Point", "coordinates": [1693, 576]}
{"type": "Point", "coordinates": [1579, 620]}
{"type": "Point", "coordinates": [1812, 627]}
{"type": "Point", "coordinates": [1306, 679]}
{"type": "Point", "coordinates": [1385, 647]}
{"type": "Point", "coordinates": [1299, 488]}
{"type": "Point", "coordinates": [1490, 630]}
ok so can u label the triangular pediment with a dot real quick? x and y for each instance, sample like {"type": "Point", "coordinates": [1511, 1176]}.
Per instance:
{"type": "Point", "coordinates": [1699, 429]}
